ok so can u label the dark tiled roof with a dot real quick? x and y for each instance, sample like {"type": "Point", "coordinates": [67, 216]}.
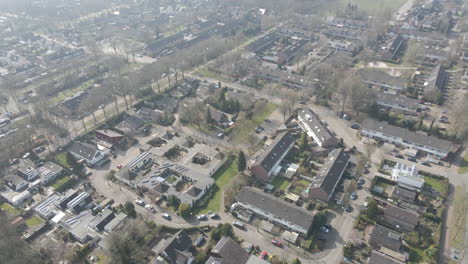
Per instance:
{"type": "Point", "coordinates": [331, 171]}
{"type": "Point", "coordinates": [133, 122]}
{"type": "Point", "coordinates": [402, 214]}
{"type": "Point", "coordinates": [409, 136]}
{"type": "Point", "coordinates": [375, 76]}
{"type": "Point", "coordinates": [217, 115]}
{"type": "Point", "coordinates": [175, 248]}
{"type": "Point", "coordinates": [397, 100]}
{"type": "Point", "coordinates": [227, 251]}
{"type": "Point", "coordinates": [83, 150]}
{"type": "Point", "coordinates": [275, 151]}
{"type": "Point", "coordinates": [275, 206]}
{"type": "Point", "coordinates": [400, 193]}
{"type": "Point", "coordinates": [379, 258]}
{"type": "Point", "coordinates": [385, 237]}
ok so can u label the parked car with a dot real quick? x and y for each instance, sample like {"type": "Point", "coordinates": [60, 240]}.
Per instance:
{"type": "Point", "coordinates": [166, 216]}
{"type": "Point", "coordinates": [140, 202]}
{"type": "Point", "coordinates": [150, 208]}
{"type": "Point", "coordinates": [355, 126]}
{"type": "Point", "coordinates": [276, 243]}
{"type": "Point", "coordinates": [238, 225]}
{"type": "Point", "coordinates": [202, 217]}
{"type": "Point", "coordinates": [14, 161]}
{"type": "Point", "coordinates": [399, 156]}
{"type": "Point", "coordinates": [328, 226]}
{"type": "Point", "coordinates": [214, 216]}
{"type": "Point", "coordinates": [425, 163]}
{"type": "Point", "coordinates": [361, 181]}
{"type": "Point", "coordinates": [263, 255]}
{"type": "Point", "coordinates": [412, 159]}
{"type": "Point", "coordinates": [199, 241]}
{"type": "Point", "coordinates": [39, 149]}
{"type": "Point", "coordinates": [249, 248]}
{"type": "Point", "coordinates": [349, 209]}
{"type": "Point", "coordinates": [26, 155]}
{"type": "Point", "coordinates": [324, 229]}
{"type": "Point", "coordinates": [354, 196]}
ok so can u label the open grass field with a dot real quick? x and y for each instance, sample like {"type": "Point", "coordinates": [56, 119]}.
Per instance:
{"type": "Point", "coordinates": [457, 232]}
{"type": "Point", "coordinates": [34, 221]}
{"type": "Point", "coordinates": [245, 126]}
{"type": "Point", "coordinates": [10, 209]}
{"type": "Point", "coordinates": [222, 177]}
{"type": "Point", "coordinates": [436, 184]}
{"type": "Point", "coordinates": [61, 159]}
{"type": "Point", "coordinates": [463, 165]}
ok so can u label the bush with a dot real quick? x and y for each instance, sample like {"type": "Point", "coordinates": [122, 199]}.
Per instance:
{"type": "Point", "coordinates": [184, 210]}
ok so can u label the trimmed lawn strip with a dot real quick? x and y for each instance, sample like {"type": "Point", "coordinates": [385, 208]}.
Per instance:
{"type": "Point", "coordinates": [222, 177]}
{"type": "Point", "coordinates": [280, 183]}
{"type": "Point", "coordinates": [61, 159]}
{"type": "Point", "coordinates": [34, 221]}
{"type": "Point", "coordinates": [60, 182]}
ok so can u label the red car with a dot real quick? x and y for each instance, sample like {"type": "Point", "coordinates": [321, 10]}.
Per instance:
{"type": "Point", "coordinates": [276, 243]}
{"type": "Point", "coordinates": [263, 255]}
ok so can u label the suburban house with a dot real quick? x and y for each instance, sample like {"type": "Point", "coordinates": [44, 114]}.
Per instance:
{"type": "Point", "coordinates": [276, 210]}
{"type": "Point", "coordinates": [402, 194]}
{"type": "Point", "coordinates": [102, 219]}
{"type": "Point", "coordinates": [29, 173]}
{"type": "Point", "coordinates": [380, 258]}
{"type": "Point", "coordinates": [16, 183]}
{"type": "Point", "coordinates": [324, 183]}
{"type": "Point", "coordinates": [174, 249]}
{"type": "Point", "coordinates": [49, 172]}
{"type": "Point", "coordinates": [437, 78]}
{"type": "Point", "coordinates": [90, 154]}
{"type": "Point", "coordinates": [265, 164]}
{"type": "Point", "coordinates": [47, 207]}
{"type": "Point", "coordinates": [109, 136]}
{"type": "Point", "coordinates": [227, 251]}
{"type": "Point", "coordinates": [149, 114]}
{"type": "Point", "coordinates": [385, 237]}
{"type": "Point", "coordinates": [78, 203]}
{"type": "Point", "coordinates": [135, 166]}
{"type": "Point", "coordinates": [219, 117]}
{"type": "Point", "coordinates": [407, 176]}
{"type": "Point", "coordinates": [400, 136]}
{"type": "Point", "coordinates": [164, 180]}
{"type": "Point", "coordinates": [383, 80]}
{"type": "Point", "coordinates": [401, 219]}
{"type": "Point", "coordinates": [398, 102]}
{"type": "Point", "coordinates": [131, 125]}
{"type": "Point", "coordinates": [393, 48]}
{"type": "Point", "coordinates": [115, 223]}
{"type": "Point", "coordinates": [311, 124]}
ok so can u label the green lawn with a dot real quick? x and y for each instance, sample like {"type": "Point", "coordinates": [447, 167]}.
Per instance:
{"type": "Point", "coordinates": [10, 209]}
{"type": "Point", "coordinates": [34, 221]}
{"type": "Point", "coordinates": [245, 126]}
{"type": "Point", "coordinates": [70, 92]}
{"type": "Point", "coordinates": [60, 182]}
{"type": "Point", "coordinates": [61, 158]}
{"type": "Point", "coordinates": [280, 183]}
{"type": "Point", "coordinates": [463, 165]}
{"type": "Point", "coordinates": [457, 232]}
{"type": "Point", "coordinates": [436, 184]}
{"type": "Point", "coordinates": [171, 179]}
{"type": "Point", "coordinates": [222, 177]}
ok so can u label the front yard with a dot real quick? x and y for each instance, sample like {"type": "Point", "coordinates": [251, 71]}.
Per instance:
{"type": "Point", "coordinates": [34, 221]}
{"type": "Point", "coordinates": [463, 165]}
{"type": "Point", "coordinates": [10, 209]}
{"type": "Point", "coordinates": [280, 183]}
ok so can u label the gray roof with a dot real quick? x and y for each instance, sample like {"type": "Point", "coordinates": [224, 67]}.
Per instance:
{"type": "Point", "coordinates": [379, 258]}
{"type": "Point", "coordinates": [397, 100]}
{"type": "Point", "coordinates": [275, 206]}
{"type": "Point", "coordinates": [132, 122]}
{"type": "Point", "coordinates": [400, 193]}
{"type": "Point", "coordinates": [217, 115]}
{"type": "Point", "coordinates": [101, 218]}
{"type": "Point", "coordinates": [275, 151]}
{"type": "Point", "coordinates": [375, 76]}
{"type": "Point", "coordinates": [15, 179]}
{"type": "Point", "coordinates": [385, 237]}
{"type": "Point", "coordinates": [403, 215]}
{"type": "Point", "coordinates": [312, 121]}
{"type": "Point", "coordinates": [409, 136]}
{"type": "Point", "coordinates": [83, 150]}
{"type": "Point", "coordinates": [109, 133]}
{"type": "Point", "coordinates": [330, 173]}
{"type": "Point", "coordinates": [175, 248]}
{"type": "Point", "coordinates": [115, 222]}
{"type": "Point", "coordinates": [436, 79]}
{"type": "Point", "coordinates": [227, 251]}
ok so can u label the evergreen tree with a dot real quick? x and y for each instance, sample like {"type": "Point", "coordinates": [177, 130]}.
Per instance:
{"type": "Point", "coordinates": [241, 163]}
{"type": "Point", "coordinates": [303, 142]}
